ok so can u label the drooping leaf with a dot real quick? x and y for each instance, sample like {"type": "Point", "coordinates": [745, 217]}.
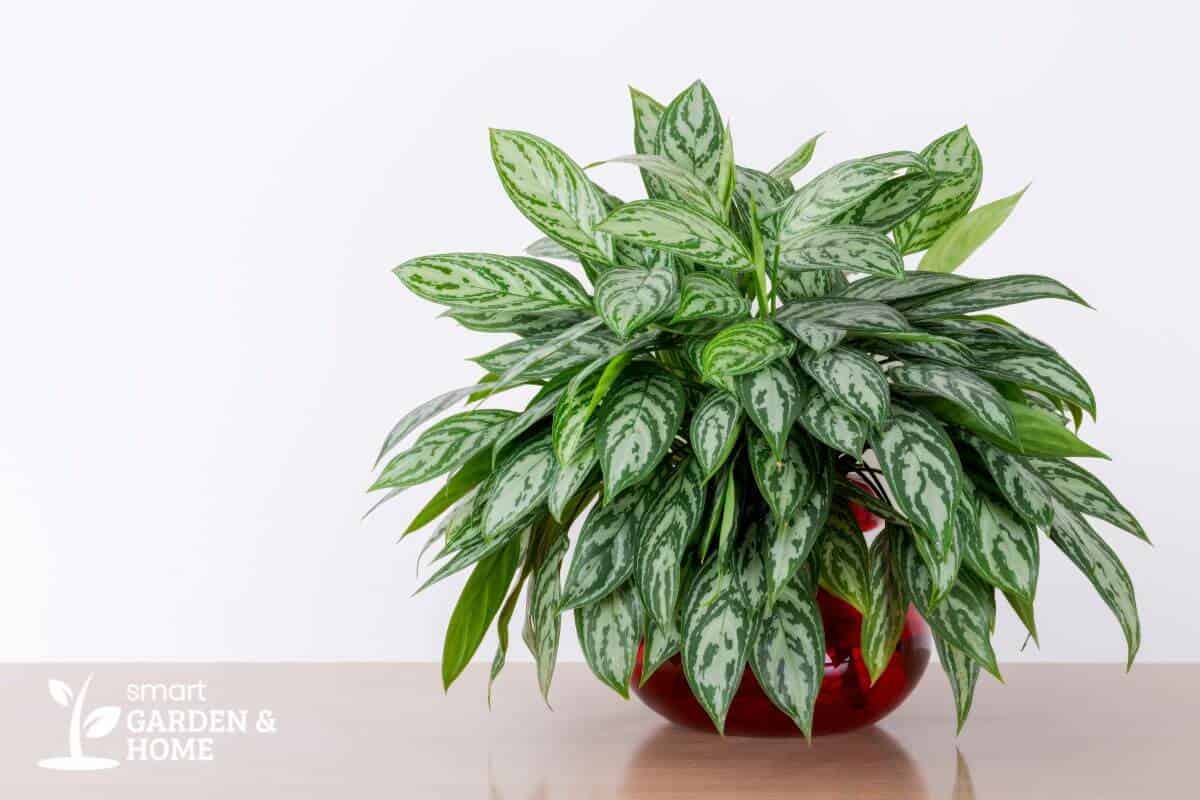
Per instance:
{"type": "Point", "coordinates": [797, 161]}
{"type": "Point", "coordinates": [676, 228]}
{"type": "Point", "coordinates": [958, 163]}
{"type": "Point", "coordinates": [883, 623]}
{"type": "Point", "coordinates": [848, 248]}
{"type": "Point", "coordinates": [604, 553]}
{"type": "Point", "coordinates": [707, 295]}
{"type": "Point", "coordinates": [1047, 373]}
{"type": "Point", "coordinates": [522, 323]}
{"type": "Point", "coordinates": [423, 413]}
{"type": "Point", "coordinates": [1003, 549]}
{"type": "Point", "coordinates": [963, 673]}
{"type": "Point", "coordinates": [542, 613]}
{"type": "Point", "coordinates": [570, 477]}
{"type": "Point", "coordinates": [532, 361]}
{"type": "Point", "coordinates": [664, 533]}
{"type": "Point", "coordinates": [789, 541]}
{"type": "Point", "coordinates": [915, 284]}
{"type": "Point", "coordinates": [853, 379]}
{"type": "Point", "coordinates": [445, 446]}
{"type": "Point", "coordinates": [609, 631]}
{"type": "Point", "coordinates": [638, 421]}
{"type": "Point", "coordinates": [985, 331]}
{"type": "Point", "coordinates": [744, 347]}
{"type": "Point", "coordinates": [717, 623]}
{"type": "Point", "coordinates": [660, 645]}
{"type": "Point", "coordinates": [842, 553]}
{"type": "Point", "coordinates": [1030, 496]}
{"type": "Point", "coordinates": [964, 236]}
{"type": "Point", "coordinates": [519, 487]}
{"type": "Point", "coordinates": [552, 360]}
{"type": "Point", "coordinates": [552, 192]}
{"type": "Point", "coordinates": [788, 654]}
{"type": "Point", "coordinates": [500, 284]}
{"type": "Point", "coordinates": [963, 388]}
{"type": "Point", "coordinates": [690, 133]}
{"type": "Point", "coordinates": [832, 423]}
{"type": "Point", "coordinates": [773, 397]}
{"type": "Point", "coordinates": [540, 407]}
{"type": "Point", "coordinates": [629, 298]}
{"type": "Point", "coordinates": [990, 293]}
{"type": "Point", "coordinates": [822, 322]}
{"type": "Point", "coordinates": [477, 607]}
{"type": "Point", "coordinates": [1040, 433]}
{"type": "Point", "coordinates": [1085, 493]}
{"type": "Point", "coordinates": [784, 482]}
{"type": "Point", "coordinates": [716, 423]}
{"type": "Point", "coordinates": [943, 556]}
{"type": "Point", "coordinates": [457, 487]}
{"type": "Point", "coordinates": [922, 469]}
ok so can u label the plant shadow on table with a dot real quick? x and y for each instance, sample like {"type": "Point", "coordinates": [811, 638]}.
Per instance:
{"type": "Point", "coordinates": [675, 761]}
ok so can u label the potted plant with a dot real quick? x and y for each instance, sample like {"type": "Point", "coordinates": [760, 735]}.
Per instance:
{"type": "Point", "coordinates": [749, 377]}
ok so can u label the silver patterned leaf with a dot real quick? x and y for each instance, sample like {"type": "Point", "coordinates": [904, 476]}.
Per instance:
{"type": "Point", "coordinates": [964, 236]}
{"type": "Point", "coordinates": [990, 293]}
{"type": "Point", "coordinates": [546, 247]}
{"type": "Point", "coordinates": [543, 619]}
{"type": "Point", "coordinates": [485, 282]}
{"type": "Point", "coordinates": [915, 284]}
{"type": "Point", "coordinates": [532, 362]}
{"type": "Point", "coordinates": [571, 431]}
{"type": "Point", "coordinates": [788, 655]}
{"type": "Point", "coordinates": [716, 423]}
{"type": "Point", "coordinates": [1003, 549]}
{"type": "Point", "coordinates": [676, 228]}
{"type": "Point", "coordinates": [835, 425]}
{"type": "Point", "coordinates": [853, 379]}
{"type": "Point", "coordinates": [1100, 564]}
{"type": "Point", "coordinates": [788, 543]}
{"type": "Point", "coordinates": [717, 623]}
{"type": "Point", "coordinates": [664, 533]}
{"type": "Point", "coordinates": [551, 362]}
{"type": "Point", "coordinates": [943, 351]}
{"type": "Point", "coordinates": [471, 548]}
{"type": "Point", "coordinates": [922, 469]}
{"type": "Point", "coordinates": [1085, 493]}
{"type": "Point", "coordinates": [1047, 373]}
{"type": "Point", "coordinates": [609, 631]}
{"type": "Point", "coordinates": [883, 623]}
{"type": "Point", "coordinates": [541, 406]}
{"type": "Point", "coordinates": [522, 323]}
{"type": "Point", "coordinates": [845, 248]}
{"type": "Point", "coordinates": [604, 552]}
{"type": "Point", "coordinates": [807, 283]}
{"type": "Point", "coordinates": [744, 347]}
{"type": "Point", "coordinates": [660, 645]}
{"type": "Point", "coordinates": [638, 421]}
{"type": "Point", "coordinates": [707, 295]}
{"type": "Point", "coordinates": [519, 487]}
{"type": "Point", "coordinates": [985, 330]}
{"type": "Point", "coordinates": [570, 477]}
{"type": "Point", "coordinates": [962, 387]}
{"type": "Point", "coordinates": [828, 195]}
{"type": "Point", "coordinates": [765, 190]}
{"type": "Point", "coordinates": [957, 161]}
{"type": "Point", "coordinates": [963, 673]}
{"type": "Point", "coordinates": [423, 413]}
{"type": "Point", "coordinates": [690, 133]}
{"type": "Point", "coordinates": [647, 113]}
{"type": "Point", "coordinates": [784, 482]}
{"type": "Point", "coordinates": [822, 322]}
{"type": "Point", "coordinates": [773, 397]}
{"type": "Point", "coordinates": [682, 183]}
{"type": "Point", "coordinates": [1018, 481]}
{"type": "Point", "coordinates": [443, 447]}
{"type": "Point", "coordinates": [628, 298]}
{"type": "Point", "coordinates": [552, 192]}
{"type": "Point", "coordinates": [893, 202]}
{"type": "Point", "coordinates": [943, 557]}
{"type": "Point", "coordinates": [842, 553]}
{"type": "Point", "coordinates": [797, 160]}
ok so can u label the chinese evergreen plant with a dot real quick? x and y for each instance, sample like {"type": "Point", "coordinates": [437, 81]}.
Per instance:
{"type": "Point", "coordinates": [713, 404]}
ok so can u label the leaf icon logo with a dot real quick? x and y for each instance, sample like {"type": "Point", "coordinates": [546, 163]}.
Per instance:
{"type": "Point", "coordinates": [100, 722]}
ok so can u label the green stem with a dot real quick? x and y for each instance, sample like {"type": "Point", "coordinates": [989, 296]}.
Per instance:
{"type": "Point", "coordinates": [760, 263]}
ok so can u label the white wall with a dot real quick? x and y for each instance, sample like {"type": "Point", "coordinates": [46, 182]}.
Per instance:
{"type": "Point", "coordinates": [204, 345]}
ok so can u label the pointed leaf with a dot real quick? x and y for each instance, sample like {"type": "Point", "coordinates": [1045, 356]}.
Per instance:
{"type": "Point", "coordinates": [797, 161]}
{"type": "Point", "coordinates": [647, 113]}
{"type": "Point", "coordinates": [834, 191]}
{"type": "Point", "coordinates": [842, 554]}
{"type": "Point", "coordinates": [773, 398]}
{"type": "Point", "coordinates": [690, 133]}
{"type": "Point", "coordinates": [848, 248]}
{"type": "Point", "coordinates": [922, 469]}
{"type": "Point", "coordinates": [1040, 433]}
{"type": "Point", "coordinates": [707, 295]}
{"type": "Point", "coordinates": [963, 673]}
{"type": "Point", "coordinates": [822, 322]}
{"type": "Point", "coordinates": [541, 406]}
{"type": "Point", "coordinates": [605, 552]}
{"type": "Point", "coordinates": [958, 163]}
{"type": "Point", "coordinates": [477, 607]}
{"type": "Point", "coordinates": [1084, 492]}
{"type": "Point", "coordinates": [543, 618]}
{"type": "Point", "coordinates": [716, 424]}
{"type": "Point", "coordinates": [883, 623]}
{"type": "Point", "coordinates": [676, 228]}
{"type": "Point", "coordinates": [893, 202]}
{"type": "Point", "coordinates": [1003, 549]}
{"type": "Point", "coordinates": [744, 347]}
{"type": "Point", "coordinates": [445, 446]}
{"type": "Point", "coordinates": [915, 284]}
{"type": "Point", "coordinates": [682, 184]}
{"type": "Point", "coordinates": [519, 487]}
{"type": "Point", "coordinates": [765, 190]}
{"type": "Point", "coordinates": [485, 282]}
{"type": "Point", "coordinates": [835, 425]}
{"type": "Point", "coordinates": [853, 379]}
{"type": "Point", "coordinates": [609, 631]}
{"type": "Point", "coordinates": [665, 531]}
{"type": "Point", "coordinates": [789, 541]}
{"type": "Point", "coordinates": [629, 298]}
{"type": "Point", "coordinates": [965, 235]}
{"type": "Point", "coordinates": [785, 482]}
{"type": "Point", "coordinates": [963, 388]}
{"type": "Point", "coordinates": [1018, 481]}
{"type": "Point", "coordinates": [552, 360]}
{"type": "Point", "coordinates": [991, 293]}
{"type": "Point", "coordinates": [717, 623]}
{"type": "Point", "coordinates": [788, 655]}
{"type": "Point", "coordinates": [660, 645]}
{"type": "Point", "coordinates": [638, 421]}
{"type": "Point", "coordinates": [570, 477]}
{"type": "Point", "coordinates": [422, 413]}
{"type": "Point", "coordinates": [1047, 373]}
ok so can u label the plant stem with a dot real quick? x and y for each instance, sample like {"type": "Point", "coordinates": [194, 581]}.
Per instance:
{"type": "Point", "coordinates": [760, 263]}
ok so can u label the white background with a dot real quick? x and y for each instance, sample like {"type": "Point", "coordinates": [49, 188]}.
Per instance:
{"type": "Point", "coordinates": [203, 345]}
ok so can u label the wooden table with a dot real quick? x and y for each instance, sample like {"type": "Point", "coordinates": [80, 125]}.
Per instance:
{"type": "Point", "coordinates": [355, 730]}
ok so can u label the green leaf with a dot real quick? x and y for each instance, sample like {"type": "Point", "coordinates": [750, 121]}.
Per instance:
{"type": "Point", "coordinates": [1003, 549]}
{"type": "Point", "coordinates": [1100, 564]}
{"type": "Point", "coordinates": [445, 446]}
{"type": "Point", "coordinates": [773, 397]}
{"type": "Point", "coordinates": [727, 525]}
{"type": "Point", "coordinates": [629, 298]}
{"type": "Point", "coordinates": [849, 248]}
{"type": "Point", "coordinates": [476, 608]}
{"type": "Point", "coordinates": [604, 553]}
{"type": "Point", "coordinates": [986, 332]}
{"type": "Point", "coordinates": [548, 248]}
{"type": "Point", "coordinates": [519, 487]}
{"type": "Point", "coordinates": [664, 533]}
{"type": "Point", "coordinates": [1047, 373]}
{"type": "Point", "coordinates": [894, 202]}
{"type": "Point", "coordinates": [788, 655]}
{"type": "Point", "coordinates": [991, 293]}
{"type": "Point", "coordinates": [744, 347]}
{"type": "Point", "coordinates": [661, 645]}
{"type": "Point", "coordinates": [647, 113]}
{"type": "Point", "coordinates": [609, 631]}
{"type": "Point", "coordinates": [468, 548]}
{"type": "Point", "coordinates": [853, 379]}
{"type": "Point", "coordinates": [682, 184]}
{"type": "Point", "coordinates": [963, 673]}
{"type": "Point", "coordinates": [549, 360]}
{"type": "Point", "coordinates": [501, 284]}
{"type": "Point", "coordinates": [570, 477]}
{"type": "Point", "coordinates": [717, 623]}
{"type": "Point", "coordinates": [842, 553]}
{"type": "Point", "coordinates": [1040, 433]}
{"type": "Point", "coordinates": [543, 615]}
{"type": "Point", "coordinates": [915, 284]}
{"type": "Point", "coordinates": [458, 486]}
{"type": "Point", "coordinates": [715, 426]}
{"type": "Point", "coordinates": [965, 235]}
{"type": "Point", "coordinates": [638, 421]}
{"type": "Point", "coordinates": [787, 544]}
{"type": "Point", "coordinates": [1084, 492]}
{"type": "Point", "coordinates": [963, 388]}
{"type": "Point", "coordinates": [423, 413]}
{"type": "Point", "coordinates": [765, 190]}
{"type": "Point", "coordinates": [822, 322]}
{"type": "Point", "coordinates": [690, 133]}
{"type": "Point", "coordinates": [707, 295]}
{"type": "Point", "coordinates": [826, 196]}
{"type": "Point", "coordinates": [522, 323]}
{"type": "Point", "coordinates": [922, 469]}
{"type": "Point", "coordinates": [943, 557]}
{"type": "Point", "coordinates": [784, 482]}
{"type": "Point", "coordinates": [883, 623]}
{"type": "Point", "coordinates": [552, 192]}
{"type": "Point", "coordinates": [532, 361]}
{"type": "Point", "coordinates": [1018, 481]}
{"type": "Point", "coordinates": [676, 228]}
{"type": "Point", "coordinates": [797, 161]}
{"type": "Point", "coordinates": [958, 163]}
{"type": "Point", "coordinates": [832, 423]}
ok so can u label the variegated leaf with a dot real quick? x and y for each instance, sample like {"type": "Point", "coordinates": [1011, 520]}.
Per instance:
{"type": "Point", "coordinates": [1019, 482]}
{"type": "Point", "coordinates": [842, 552]}
{"type": "Point", "coordinates": [638, 421]}
{"type": "Point", "coordinates": [799, 284]}
{"type": "Point", "coordinates": [548, 248]}
{"type": "Point", "coordinates": [784, 482]}
{"type": "Point", "coordinates": [676, 228]}
{"type": "Point", "coordinates": [886, 608]}
{"type": "Point", "coordinates": [773, 397]}
{"type": "Point", "coordinates": [963, 673]}
{"type": "Point", "coordinates": [822, 322]}
{"type": "Point", "coordinates": [962, 387]}
{"type": "Point", "coordinates": [1047, 373]}
{"type": "Point", "coordinates": [470, 548]}
{"type": "Point", "coordinates": [541, 406]}
{"type": "Point", "coordinates": [543, 615]}
{"type": "Point", "coordinates": [787, 544]}
{"type": "Point", "coordinates": [943, 351]}
{"type": "Point", "coordinates": [605, 551]}
{"type": "Point", "coordinates": [519, 487]}
{"type": "Point", "coordinates": [765, 190]}
{"type": "Point", "coordinates": [522, 323]}
{"type": "Point", "coordinates": [922, 469]}
{"type": "Point", "coordinates": [717, 623]}
{"type": "Point", "coordinates": [788, 654]}
{"type": "Point", "coordinates": [943, 557]}
{"type": "Point", "coordinates": [964, 236]}
{"type": "Point", "coordinates": [551, 362]}
{"type": "Point", "coordinates": [628, 298]}
{"type": "Point", "coordinates": [609, 631]}
{"type": "Point", "coordinates": [1085, 493]}
{"type": "Point", "coordinates": [964, 616]}
{"type": "Point", "coordinates": [690, 133]}
{"type": "Point", "coordinates": [915, 284]}
{"type": "Point", "coordinates": [834, 191]}
{"type": "Point", "coordinates": [986, 331]}
{"type": "Point", "coordinates": [848, 248]}
{"type": "Point", "coordinates": [660, 645]}
{"type": "Point", "coordinates": [485, 282]}
{"type": "Point", "coordinates": [665, 531]}
{"type": "Point", "coordinates": [751, 569]}
{"type": "Point", "coordinates": [423, 413]}
{"type": "Point", "coordinates": [894, 202]}
{"type": "Point", "coordinates": [682, 183]}
{"type": "Point", "coordinates": [1003, 549]}
{"type": "Point", "coordinates": [1100, 564]}
{"type": "Point", "coordinates": [647, 112]}
{"type": "Point", "coordinates": [570, 477]}
{"type": "Point", "coordinates": [715, 426]}
{"type": "Point", "coordinates": [744, 347]}
{"type": "Point", "coordinates": [990, 293]}
{"type": "Point", "coordinates": [797, 161]}
{"type": "Point", "coordinates": [571, 431]}
{"type": "Point", "coordinates": [835, 425]}
{"type": "Point", "coordinates": [853, 379]}
{"type": "Point", "coordinates": [552, 192]}
{"type": "Point", "coordinates": [443, 447]}
{"type": "Point", "coordinates": [959, 164]}
{"type": "Point", "coordinates": [707, 295]}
